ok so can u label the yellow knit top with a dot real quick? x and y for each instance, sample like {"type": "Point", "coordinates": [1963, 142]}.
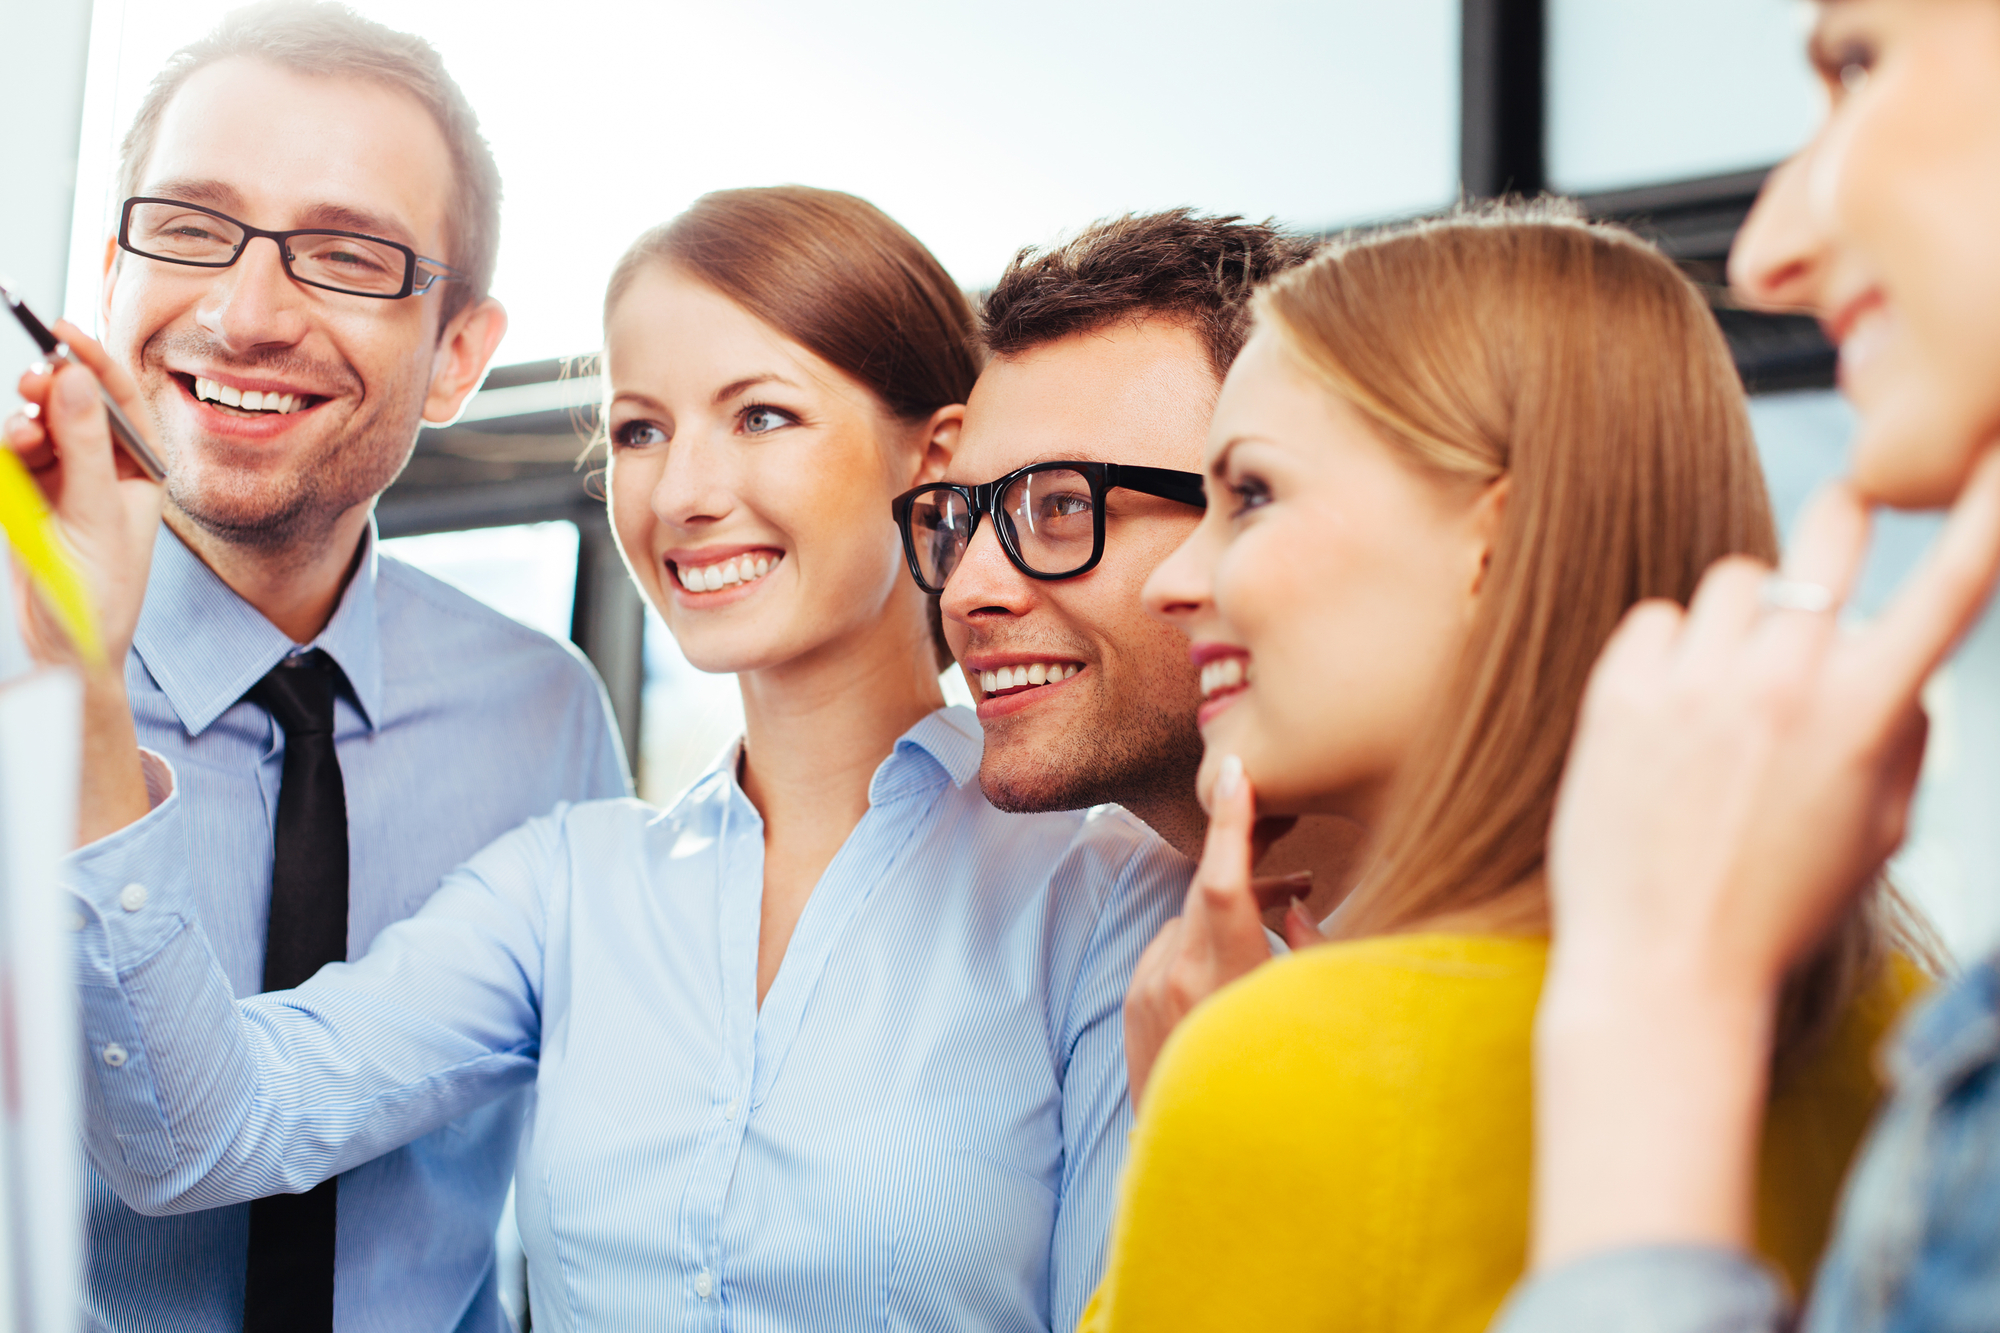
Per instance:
{"type": "Point", "coordinates": [1341, 1141]}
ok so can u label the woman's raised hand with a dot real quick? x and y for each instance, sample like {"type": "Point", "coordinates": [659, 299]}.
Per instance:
{"type": "Point", "coordinates": [1740, 773]}
{"type": "Point", "coordinates": [1219, 935]}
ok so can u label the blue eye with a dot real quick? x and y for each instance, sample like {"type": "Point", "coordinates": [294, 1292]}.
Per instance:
{"type": "Point", "coordinates": [762, 420]}
{"type": "Point", "coordinates": [639, 434]}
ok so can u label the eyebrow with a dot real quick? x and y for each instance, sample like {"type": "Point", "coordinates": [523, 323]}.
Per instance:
{"type": "Point", "coordinates": [734, 387]}
{"type": "Point", "coordinates": [336, 217]}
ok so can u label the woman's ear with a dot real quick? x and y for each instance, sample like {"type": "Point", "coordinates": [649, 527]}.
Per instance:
{"type": "Point", "coordinates": [940, 441]}
{"type": "Point", "coordinates": [1483, 524]}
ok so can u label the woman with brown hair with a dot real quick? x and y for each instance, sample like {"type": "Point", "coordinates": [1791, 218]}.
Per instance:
{"type": "Point", "coordinates": [1449, 460]}
{"type": "Point", "coordinates": [830, 1042]}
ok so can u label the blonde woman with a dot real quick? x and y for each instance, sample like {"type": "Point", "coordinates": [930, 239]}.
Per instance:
{"type": "Point", "coordinates": [1425, 518]}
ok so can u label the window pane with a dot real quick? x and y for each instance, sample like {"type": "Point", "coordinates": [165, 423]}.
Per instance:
{"type": "Point", "coordinates": [1642, 92]}
{"type": "Point", "coordinates": [527, 571]}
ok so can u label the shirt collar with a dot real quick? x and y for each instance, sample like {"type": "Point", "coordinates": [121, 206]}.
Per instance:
{"type": "Point", "coordinates": [205, 646]}
{"type": "Point", "coordinates": [950, 739]}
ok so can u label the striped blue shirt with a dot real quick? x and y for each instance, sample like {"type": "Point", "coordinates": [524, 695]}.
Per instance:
{"type": "Point", "coordinates": [920, 1128]}
{"type": "Point", "coordinates": [461, 724]}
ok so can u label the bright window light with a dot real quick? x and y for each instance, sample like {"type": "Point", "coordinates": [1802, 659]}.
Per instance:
{"type": "Point", "coordinates": [979, 127]}
{"type": "Point", "coordinates": [527, 571]}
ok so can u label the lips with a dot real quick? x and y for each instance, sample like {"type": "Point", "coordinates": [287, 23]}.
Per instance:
{"type": "Point", "coordinates": [238, 402]}
{"type": "Point", "coordinates": [1225, 673]}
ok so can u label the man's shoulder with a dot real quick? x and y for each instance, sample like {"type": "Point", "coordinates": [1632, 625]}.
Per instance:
{"type": "Point", "coordinates": [433, 626]}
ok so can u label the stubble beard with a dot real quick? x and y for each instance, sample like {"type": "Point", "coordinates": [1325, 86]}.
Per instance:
{"type": "Point", "coordinates": [1130, 760]}
{"type": "Point", "coordinates": [295, 510]}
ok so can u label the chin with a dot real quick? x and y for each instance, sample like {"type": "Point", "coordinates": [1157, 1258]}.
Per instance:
{"type": "Point", "coordinates": [1913, 452]}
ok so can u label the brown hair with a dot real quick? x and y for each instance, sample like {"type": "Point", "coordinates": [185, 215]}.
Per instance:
{"type": "Point", "coordinates": [1175, 265]}
{"type": "Point", "coordinates": [1575, 361]}
{"type": "Point", "coordinates": [331, 41]}
{"type": "Point", "coordinates": [837, 276]}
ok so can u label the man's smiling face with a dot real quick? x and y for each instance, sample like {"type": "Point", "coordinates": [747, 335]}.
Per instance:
{"type": "Point", "coordinates": [1118, 725]}
{"type": "Point", "coordinates": [343, 378]}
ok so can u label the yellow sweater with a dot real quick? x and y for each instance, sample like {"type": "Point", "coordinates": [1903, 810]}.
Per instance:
{"type": "Point", "coordinates": [1340, 1141]}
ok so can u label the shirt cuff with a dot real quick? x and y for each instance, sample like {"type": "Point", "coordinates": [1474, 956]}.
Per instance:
{"type": "Point", "coordinates": [130, 888]}
{"type": "Point", "coordinates": [1649, 1289]}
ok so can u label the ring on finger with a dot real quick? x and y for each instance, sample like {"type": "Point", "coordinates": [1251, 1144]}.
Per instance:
{"type": "Point", "coordinates": [1782, 594]}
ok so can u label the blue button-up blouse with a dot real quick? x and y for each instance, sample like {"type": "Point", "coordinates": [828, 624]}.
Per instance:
{"type": "Point", "coordinates": [920, 1128]}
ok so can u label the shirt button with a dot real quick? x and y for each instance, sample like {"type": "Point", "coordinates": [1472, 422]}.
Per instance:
{"type": "Point", "coordinates": [704, 1285]}
{"type": "Point", "coordinates": [76, 921]}
{"type": "Point", "coordinates": [729, 1111]}
{"type": "Point", "coordinates": [114, 1055]}
{"type": "Point", "coordinates": [133, 898]}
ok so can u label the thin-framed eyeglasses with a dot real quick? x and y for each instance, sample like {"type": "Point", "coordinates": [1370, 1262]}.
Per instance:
{"type": "Point", "coordinates": [174, 231]}
{"type": "Point", "coordinates": [1049, 516]}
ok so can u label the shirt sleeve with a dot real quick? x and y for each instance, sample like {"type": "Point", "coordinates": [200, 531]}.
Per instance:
{"type": "Point", "coordinates": [1096, 1112]}
{"type": "Point", "coordinates": [194, 1099]}
{"type": "Point", "coordinates": [1649, 1289]}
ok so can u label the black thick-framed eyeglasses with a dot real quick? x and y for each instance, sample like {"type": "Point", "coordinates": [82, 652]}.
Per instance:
{"type": "Point", "coordinates": [1050, 516]}
{"type": "Point", "coordinates": [174, 231]}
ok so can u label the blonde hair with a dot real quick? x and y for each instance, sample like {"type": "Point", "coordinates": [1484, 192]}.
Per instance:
{"type": "Point", "coordinates": [1574, 360]}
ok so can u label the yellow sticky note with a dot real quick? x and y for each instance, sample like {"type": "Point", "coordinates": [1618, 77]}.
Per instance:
{"type": "Point", "coordinates": [31, 529]}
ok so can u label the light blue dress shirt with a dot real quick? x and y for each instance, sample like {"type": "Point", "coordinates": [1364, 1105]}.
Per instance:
{"type": "Point", "coordinates": [920, 1128]}
{"type": "Point", "coordinates": [462, 723]}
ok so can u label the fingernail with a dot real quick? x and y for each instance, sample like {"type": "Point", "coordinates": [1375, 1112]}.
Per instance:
{"type": "Point", "coordinates": [32, 411]}
{"type": "Point", "coordinates": [41, 367]}
{"type": "Point", "coordinates": [1299, 877]}
{"type": "Point", "coordinates": [75, 391]}
{"type": "Point", "coordinates": [1230, 777]}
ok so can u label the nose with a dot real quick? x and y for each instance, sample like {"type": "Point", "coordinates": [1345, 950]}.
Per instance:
{"type": "Point", "coordinates": [1779, 258]}
{"type": "Point", "coordinates": [1181, 587]}
{"type": "Point", "coordinates": [985, 583]}
{"type": "Point", "coordinates": [254, 303]}
{"type": "Point", "coordinates": [693, 488]}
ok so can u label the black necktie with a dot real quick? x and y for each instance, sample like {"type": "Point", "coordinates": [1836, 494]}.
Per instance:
{"type": "Point", "coordinates": [289, 1284]}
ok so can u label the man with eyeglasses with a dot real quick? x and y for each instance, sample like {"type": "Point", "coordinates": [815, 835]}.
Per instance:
{"type": "Point", "coordinates": [1077, 473]}
{"type": "Point", "coordinates": [298, 282]}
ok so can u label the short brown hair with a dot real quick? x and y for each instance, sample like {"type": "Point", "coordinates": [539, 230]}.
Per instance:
{"type": "Point", "coordinates": [330, 40]}
{"type": "Point", "coordinates": [1176, 265]}
{"type": "Point", "coordinates": [833, 273]}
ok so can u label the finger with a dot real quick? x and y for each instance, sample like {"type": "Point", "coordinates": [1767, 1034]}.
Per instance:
{"type": "Point", "coordinates": [1724, 610]}
{"type": "Point", "coordinates": [1301, 931]}
{"type": "Point", "coordinates": [1827, 548]}
{"type": "Point", "coordinates": [114, 377]}
{"type": "Point", "coordinates": [1940, 600]}
{"type": "Point", "coordinates": [1223, 877]}
{"type": "Point", "coordinates": [1277, 890]}
{"type": "Point", "coordinates": [81, 434]}
{"type": "Point", "coordinates": [33, 385]}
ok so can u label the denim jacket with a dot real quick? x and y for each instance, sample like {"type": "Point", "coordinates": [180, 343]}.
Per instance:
{"type": "Point", "coordinates": [1917, 1245]}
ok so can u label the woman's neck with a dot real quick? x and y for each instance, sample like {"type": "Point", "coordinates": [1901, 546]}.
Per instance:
{"type": "Point", "coordinates": [815, 729]}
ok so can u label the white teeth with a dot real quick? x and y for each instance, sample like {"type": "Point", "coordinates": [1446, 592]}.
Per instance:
{"type": "Point", "coordinates": [1224, 673]}
{"type": "Point", "coordinates": [726, 573]}
{"type": "Point", "coordinates": [249, 400]}
{"type": "Point", "coordinates": [1034, 673]}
